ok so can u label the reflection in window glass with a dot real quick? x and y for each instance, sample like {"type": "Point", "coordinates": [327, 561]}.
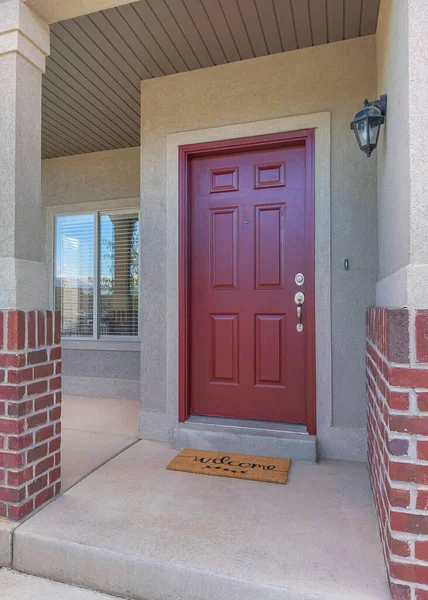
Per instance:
{"type": "Point", "coordinates": [74, 273]}
{"type": "Point", "coordinates": [119, 274]}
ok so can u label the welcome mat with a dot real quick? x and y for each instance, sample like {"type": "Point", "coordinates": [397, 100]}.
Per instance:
{"type": "Point", "coordinates": [238, 466]}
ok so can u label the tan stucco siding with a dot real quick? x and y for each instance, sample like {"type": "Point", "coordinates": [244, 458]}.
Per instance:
{"type": "Point", "coordinates": [91, 177]}
{"type": "Point", "coordinates": [335, 78]}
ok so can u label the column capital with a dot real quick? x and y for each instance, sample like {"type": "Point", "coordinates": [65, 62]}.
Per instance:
{"type": "Point", "coordinates": [53, 11]}
{"type": "Point", "coordinates": [23, 32]}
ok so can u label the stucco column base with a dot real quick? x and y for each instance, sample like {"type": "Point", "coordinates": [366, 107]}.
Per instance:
{"type": "Point", "coordinates": [24, 45]}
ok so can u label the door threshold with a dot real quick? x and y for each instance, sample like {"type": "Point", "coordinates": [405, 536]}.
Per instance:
{"type": "Point", "coordinates": [258, 438]}
{"type": "Point", "coordinates": [249, 424]}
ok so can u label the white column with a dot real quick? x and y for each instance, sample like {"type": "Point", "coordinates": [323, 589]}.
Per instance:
{"type": "Point", "coordinates": [24, 44]}
{"type": "Point", "coordinates": [418, 148]}
{"type": "Point", "coordinates": [402, 158]}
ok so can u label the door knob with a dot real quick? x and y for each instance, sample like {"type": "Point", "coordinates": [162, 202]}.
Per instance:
{"type": "Point", "coordinates": [299, 299]}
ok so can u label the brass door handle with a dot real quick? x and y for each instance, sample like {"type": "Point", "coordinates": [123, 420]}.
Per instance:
{"type": "Point", "coordinates": [299, 299]}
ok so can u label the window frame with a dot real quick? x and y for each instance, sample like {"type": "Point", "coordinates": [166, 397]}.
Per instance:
{"type": "Point", "coordinates": [97, 212]}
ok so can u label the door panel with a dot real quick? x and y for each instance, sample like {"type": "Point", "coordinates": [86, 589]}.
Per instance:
{"type": "Point", "coordinates": [223, 242]}
{"type": "Point", "coordinates": [270, 350]}
{"type": "Point", "coordinates": [224, 349]}
{"type": "Point", "coordinates": [248, 234]}
{"type": "Point", "coordinates": [270, 246]}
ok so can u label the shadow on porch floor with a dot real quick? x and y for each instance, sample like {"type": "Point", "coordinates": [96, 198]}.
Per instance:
{"type": "Point", "coordinates": [93, 431]}
{"type": "Point", "coordinates": [135, 530]}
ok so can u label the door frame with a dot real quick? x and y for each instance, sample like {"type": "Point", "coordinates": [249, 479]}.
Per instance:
{"type": "Point", "coordinates": [259, 142]}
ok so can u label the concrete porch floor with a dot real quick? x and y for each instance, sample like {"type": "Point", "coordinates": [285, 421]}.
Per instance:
{"type": "Point", "coordinates": [135, 530]}
{"type": "Point", "coordinates": [93, 431]}
{"type": "Point", "coordinates": [17, 586]}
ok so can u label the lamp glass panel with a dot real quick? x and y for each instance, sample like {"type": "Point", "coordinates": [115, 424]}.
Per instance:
{"type": "Point", "coordinates": [362, 132]}
{"type": "Point", "coordinates": [374, 132]}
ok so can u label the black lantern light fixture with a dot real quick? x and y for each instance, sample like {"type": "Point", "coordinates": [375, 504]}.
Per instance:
{"type": "Point", "coordinates": [366, 124]}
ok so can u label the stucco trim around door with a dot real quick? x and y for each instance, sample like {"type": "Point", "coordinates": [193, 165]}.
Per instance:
{"type": "Point", "coordinates": [333, 441]}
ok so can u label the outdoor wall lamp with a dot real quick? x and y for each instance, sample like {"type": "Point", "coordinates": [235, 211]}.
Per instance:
{"type": "Point", "coordinates": [366, 124]}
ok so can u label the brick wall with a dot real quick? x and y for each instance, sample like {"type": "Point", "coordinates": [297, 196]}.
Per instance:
{"type": "Point", "coordinates": [397, 388]}
{"type": "Point", "coordinates": [30, 411]}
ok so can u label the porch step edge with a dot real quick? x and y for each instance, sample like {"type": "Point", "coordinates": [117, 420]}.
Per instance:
{"type": "Point", "coordinates": [245, 440]}
{"type": "Point", "coordinates": [6, 546]}
{"type": "Point", "coordinates": [127, 576]}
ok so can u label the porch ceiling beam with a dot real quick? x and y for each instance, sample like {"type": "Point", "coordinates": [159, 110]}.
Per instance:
{"type": "Point", "coordinates": [52, 11]}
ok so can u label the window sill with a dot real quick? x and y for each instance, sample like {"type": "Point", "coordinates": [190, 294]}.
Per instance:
{"type": "Point", "coordinates": [101, 344]}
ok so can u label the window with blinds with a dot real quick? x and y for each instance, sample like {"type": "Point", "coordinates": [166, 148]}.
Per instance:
{"type": "Point", "coordinates": [74, 274]}
{"type": "Point", "coordinates": [96, 273]}
{"type": "Point", "coordinates": [119, 274]}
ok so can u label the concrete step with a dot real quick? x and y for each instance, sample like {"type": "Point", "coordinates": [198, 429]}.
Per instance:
{"type": "Point", "coordinates": [259, 438]}
{"type": "Point", "coordinates": [135, 530]}
{"type": "Point", "coordinates": [16, 586]}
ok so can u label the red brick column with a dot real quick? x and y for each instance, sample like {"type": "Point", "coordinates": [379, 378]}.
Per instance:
{"type": "Point", "coordinates": [397, 388]}
{"type": "Point", "coordinates": [30, 411]}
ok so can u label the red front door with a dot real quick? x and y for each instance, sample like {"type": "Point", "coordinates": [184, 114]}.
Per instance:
{"type": "Point", "coordinates": [248, 243]}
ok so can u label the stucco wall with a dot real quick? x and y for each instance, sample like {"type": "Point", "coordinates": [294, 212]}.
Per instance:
{"type": "Point", "coordinates": [91, 177]}
{"type": "Point", "coordinates": [106, 373]}
{"type": "Point", "coordinates": [336, 78]}
{"type": "Point", "coordinates": [94, 181]}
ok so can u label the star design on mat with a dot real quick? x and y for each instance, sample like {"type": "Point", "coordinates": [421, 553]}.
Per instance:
{"type": "Point", "coordinates": [226, 469]}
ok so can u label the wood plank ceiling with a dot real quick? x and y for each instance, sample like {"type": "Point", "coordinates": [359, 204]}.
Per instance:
{"type": "Point", "coordinates": [91, 89]}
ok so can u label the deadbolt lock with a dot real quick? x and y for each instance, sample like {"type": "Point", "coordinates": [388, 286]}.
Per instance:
{"type": "Point", "coordinates": [299, 279]}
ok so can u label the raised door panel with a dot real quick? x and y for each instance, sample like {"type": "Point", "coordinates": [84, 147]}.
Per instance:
{"type": "Point", "coordinates": [224, 248]}
{"type": "Point", "coordinates": [224, 349]}
{"type": "Point", "coordinates": [270, 246]}
{"type": "Point", "coordinates": [269, 175]}
{"type": "Point", "coordinates": [270, 350]}
{"type": "Point", "coordinates": [224, 180]}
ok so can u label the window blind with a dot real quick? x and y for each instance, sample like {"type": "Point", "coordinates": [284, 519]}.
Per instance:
{"type": "Point", "coordinates": [119, 259]}
{"type": "Point", "coordinates": [74, 273]}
